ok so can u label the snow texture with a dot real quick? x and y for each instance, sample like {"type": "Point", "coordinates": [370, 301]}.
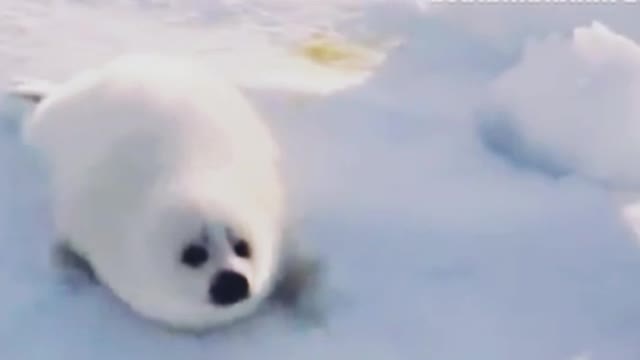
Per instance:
{"type": "Point", "coordinates": [471, 197]}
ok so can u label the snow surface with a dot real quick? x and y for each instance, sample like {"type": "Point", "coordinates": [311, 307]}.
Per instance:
{"type": "Point", "coordinates": [471, 196]}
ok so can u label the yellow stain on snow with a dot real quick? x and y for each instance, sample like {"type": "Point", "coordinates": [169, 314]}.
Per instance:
{"type": "Point", "coordinates": [332, 63]}
{"type": "Point", "coordinates": [339, 53]}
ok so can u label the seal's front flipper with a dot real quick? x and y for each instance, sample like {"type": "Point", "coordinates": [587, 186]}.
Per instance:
{"type": "Point", "coordinates": [31, 90]}
{"type": "Point", "coordinates": [300, 286]}
{"type": "Point", "coordinates": [74, 269]}
{"type": "Point", "coordinates": [298, 276]}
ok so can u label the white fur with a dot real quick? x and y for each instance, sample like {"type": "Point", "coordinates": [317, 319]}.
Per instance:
{"type": "Point", "coordinates": [142, 152]}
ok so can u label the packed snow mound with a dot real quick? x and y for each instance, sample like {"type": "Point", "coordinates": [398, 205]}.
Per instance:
{"type": "Point", "coordinates": [572, 103]}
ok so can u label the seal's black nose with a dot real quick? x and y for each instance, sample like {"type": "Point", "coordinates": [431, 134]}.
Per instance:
{"type": "Point", "coordinates": [228, 288]}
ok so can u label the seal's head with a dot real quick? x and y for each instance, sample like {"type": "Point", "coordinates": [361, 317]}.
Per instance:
{"type": "Point", "coordinates": [194, 261]}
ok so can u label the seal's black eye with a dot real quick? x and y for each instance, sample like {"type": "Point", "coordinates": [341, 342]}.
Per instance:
{"type": "Point", "coordinates": [240, 245]}
{"type": "Point", "coordinates": [241, 248]}
{"type": "Point", "coordinates": [194, 255]}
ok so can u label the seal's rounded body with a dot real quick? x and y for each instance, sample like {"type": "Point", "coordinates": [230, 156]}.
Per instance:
{"type": "Point", "coordinates": [166, 181]}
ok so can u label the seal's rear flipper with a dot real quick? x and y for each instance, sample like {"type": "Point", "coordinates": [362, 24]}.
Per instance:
{"type": "Point", "coordinates": [31, 90]}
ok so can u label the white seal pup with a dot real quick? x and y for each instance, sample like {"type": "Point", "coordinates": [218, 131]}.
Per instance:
{"type": "Point", "coordinates": [167, 182]}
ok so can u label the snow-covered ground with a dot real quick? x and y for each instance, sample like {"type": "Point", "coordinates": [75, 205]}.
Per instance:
{"type": "Point", "coordinates": [468, 179]}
